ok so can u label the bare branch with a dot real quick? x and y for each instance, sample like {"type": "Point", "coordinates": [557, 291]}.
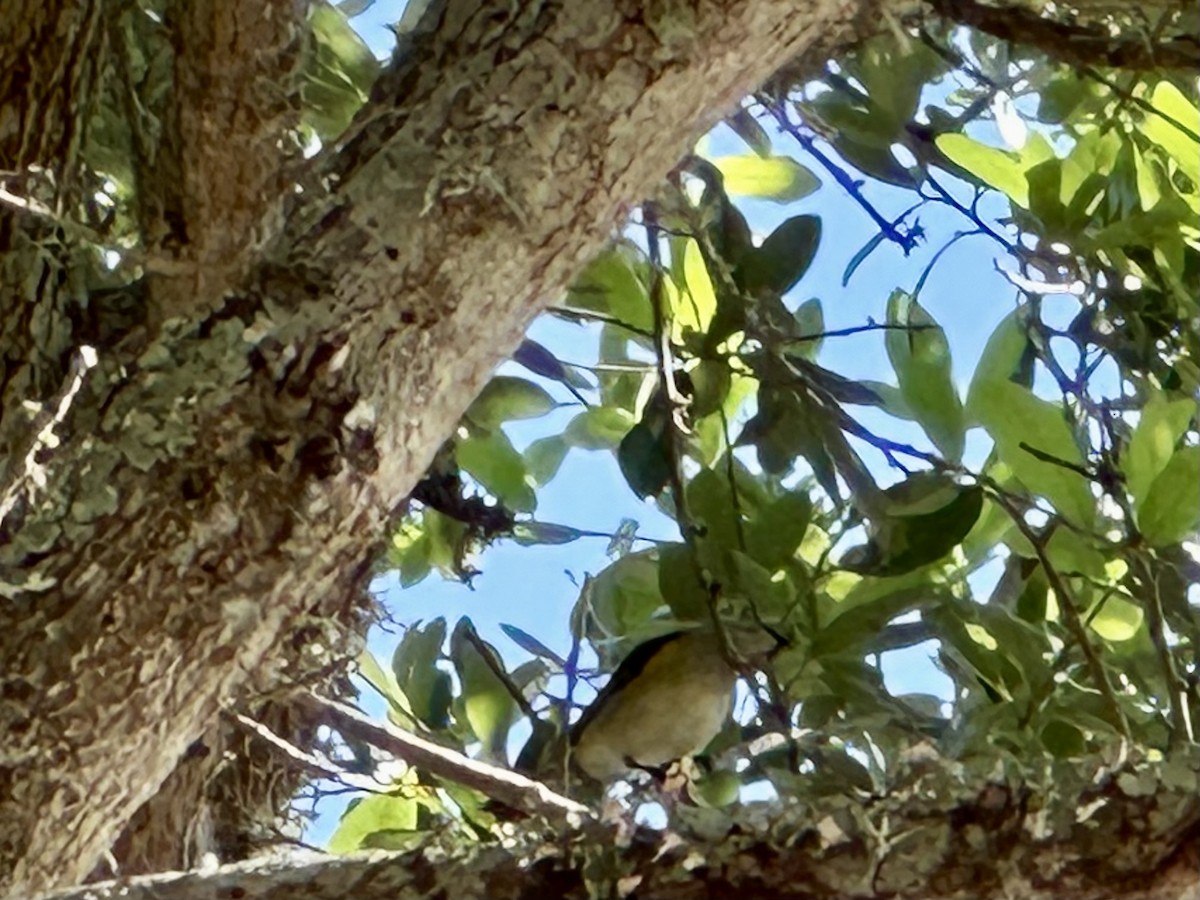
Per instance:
{"type": "Point", "coordinates": [511, 789]}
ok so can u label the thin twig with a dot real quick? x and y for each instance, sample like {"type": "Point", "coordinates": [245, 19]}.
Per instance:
{"type": "Point", "coordinates": [1140, 102]}
{"type": "Point", "coordinates": [905, 239]}
{"type": "Point", "coordinates": [1176, 687]}
{"type": "Point", "coordinates": [871, 325]}
{"type": "Point", "coordinates": [1067, 603]}
{"type": "Point", "coordinates": [588, 315]}
{"type": "Point", "coordinates": [1055, 461]}
{"type": "Point", "coordinates": [950, 200]}
{"type": "Point", "coordinates": [731, 475]}
{"type": "Point", "coordinates": [31, 474]}
{"type": "Point", "coordinates": [314, 763]}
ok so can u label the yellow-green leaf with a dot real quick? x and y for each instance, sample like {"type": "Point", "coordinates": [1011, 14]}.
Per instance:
{"type": "Point", "coordinates": [1171, 510]}
{"type": "Point", "coordinates": [1162, 424]}
{"type": "Point", "coordinates": [371, 815]}
{"type": "Point", "coordinates": [995, 167]}
{"type": "Point", "coordinates": [1118, 620]}
{"type": "Point", "coordinates": [1013, 416]}
{"type": "Point", "coordinates": [695, 307]}
{"type": "Point", "coordinates": [921, 359]}
{"type": "Point", "coordinates": [1181, 147]}
{"type": "Point", "coordinates": [778, 178]}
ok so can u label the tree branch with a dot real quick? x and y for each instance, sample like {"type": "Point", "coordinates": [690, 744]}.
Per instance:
{"type": "Point", "coordinates": [1056, 830]}
{"type": "Point", "coordinates": [1084, 42]}
{"type": "Point", "coordinates": [510, 788]}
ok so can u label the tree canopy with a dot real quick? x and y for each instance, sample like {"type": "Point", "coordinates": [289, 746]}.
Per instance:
{"type": "Point", "coordinates": [209, 429]}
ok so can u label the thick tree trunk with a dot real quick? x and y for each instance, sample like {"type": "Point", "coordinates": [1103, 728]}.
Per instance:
{"type": "Point", "coordinates": [226, 469]}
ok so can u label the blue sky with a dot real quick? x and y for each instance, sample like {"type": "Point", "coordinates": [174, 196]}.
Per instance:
{"type": "Point", "coordinates": [531, 588]}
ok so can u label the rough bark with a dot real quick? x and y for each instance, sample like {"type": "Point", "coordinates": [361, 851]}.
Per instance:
{"type": "Point", "coordinates": [1085, 832]}
{"type": "Point", "coordinates": [1100, 33]}
{"type": "Point", "coordinates": [220, 478]}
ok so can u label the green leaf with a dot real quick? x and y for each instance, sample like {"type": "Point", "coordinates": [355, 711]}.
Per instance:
{"type": "Point", "coordinates": [930, 515]}
{"type": "Point", "coordinates": [860, 257]}
{"type": "Point", "coordinates": [679, 583]}
{"type": "Point", "coordinates": [855, 624]}
{"type": "Point", "coordinates": [339, 75]}
{"type": "Point", "coordinates": [1170, 511]}
{"type": "Point", "coordinates": [626, 593]}
{"type": "Point", "coordinates": [710, 501]}
{"type": "Point", "coordinates": [1063, 739]}
{"type": "Point", "coordinates": [383, 681]}
{"type": "Point", "coordinates": [711, 384]}
{"type": "Point", "coordinates": [1012, 415]}
{"type": "Point", "coordinates": [486, 699]}
{"type": "Point", "coordinates": [921, 359]}
{"type": "Point", "coordinates": [369, 815]}
{"type": "Point", "coordinates": [997, 168]}
{"type": "Point", "coordinates": [409, 552]}
{"type": "Point", "coordinates": [611, 284]}
{"type": "Point", "coordinates": [1002, 357]}
{"type": "Point", "coordinates": [778, 178]}
{"type": "Point", "coordinates": [492, 460]}
{"type": "Point", "coordinates": [775, 267]}
{"type": "Point", "coordinates": [414, 664]}
{"type": "Point", "coordinates": [528, 534]}
{"type": "Point", "coordinates": [695, 307]}
{"type": "Point", "coordinates": [505, 398]}
{"type": "Point", "coordinates": [717, 789]}
{"type": "Point", "coordinates": [745, 126]}
{"type": "Point", "coordinates": [1159, 429]}
{"type": "Point", "coordinates": [544, 457]}
{"type": "Point", "coordinates": [772, 594]}
{"type": "Point", "coordinates": [530, 644]}
{"type": "Point", "coordinates": [599, 428]}
{"type": "Point", "coordinates": [878, 162]}
{"type": "Point", "coordinates": [644, 459]}
{"type": "Point", "coordinates": [773, 536]}
{"type": "Point", "coordinates": [809, 322]}
{"type": "Point", "coordinates": [1171, 102]}
{"type": "Point", "coordinates": [1118, 620]}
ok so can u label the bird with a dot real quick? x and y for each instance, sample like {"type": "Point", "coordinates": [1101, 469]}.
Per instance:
{"type": "Point", "coordinates": [667, 700]}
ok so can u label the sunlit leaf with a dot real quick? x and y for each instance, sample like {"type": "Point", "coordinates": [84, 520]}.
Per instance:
{"type": "Point", "coordinates": [492, 460]}
{"type": "Point", "coordinates": [1168, 100]}
{"type": "Point", "coordinates": [414, 664]}
{"type": "Point", "coordinates": [486, 698]}
{"type": "Point", "coordinates": [600, 428]}
{"type": "Point", "coordinates": [695, 308]}
{"type": "Point", "coordinates": [998, 168]}
{"type": "Point", "coordinates": [1170, 512]}
{"type": "Point", "coordinates": [921, 358]}
{"type": "Point", "coordinates": [778, 178]}
{"type": "Point", "coordinates": [1014, 416]}
{"type": "Point", "coordinates": [370, 815]}
{"type": "Point", "coordinates": [1162, 424]}
{"type": "Point", "coordinates": [1118, 620]}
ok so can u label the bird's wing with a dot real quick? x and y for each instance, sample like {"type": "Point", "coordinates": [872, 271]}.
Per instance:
{"type": "Point", "coordinates": [629, 669]}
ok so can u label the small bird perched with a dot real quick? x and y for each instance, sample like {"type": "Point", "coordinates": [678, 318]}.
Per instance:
{"type": "Point", "coordinates": [667, 699]}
